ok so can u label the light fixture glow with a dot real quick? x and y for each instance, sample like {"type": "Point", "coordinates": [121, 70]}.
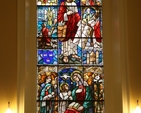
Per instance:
{"type": "Point", "coordinates": [8, 109]}
{"type": "Point", "coordinates": [137, 110]}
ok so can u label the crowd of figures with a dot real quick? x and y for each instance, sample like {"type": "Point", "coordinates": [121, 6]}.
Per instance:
{"type": "Point", "coordinates": [71, 90]}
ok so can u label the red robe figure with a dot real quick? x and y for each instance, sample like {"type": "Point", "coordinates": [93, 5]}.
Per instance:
{"type": "Point", "coordinates": [97, 31]}
{"type": "Point", "coordinates": [88, 2]}
{"type": "Point", "coordinates": [81, 93]}
{"type": "Point", "coordinates": [80, 98]}
{"type": "Point", "coordinates": [72, 111]}
{"type": "Point", "coordinates": [45, 39]}
{"type": "Point", "coordinates": [70, 16]}
{"type": "Point", "coordinates": [91, 2]}
{"type": "Point", "coordinates": [44, 1]}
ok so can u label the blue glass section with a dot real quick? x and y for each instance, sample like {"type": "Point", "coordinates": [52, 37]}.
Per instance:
{"type": "Point", "coordinates": [55, 53]}
{"type": "Point", "coordinates": [47, 56]}
{"type": "Point", "coordinates": [59, 51]}
{"type": "Point", "coordinates": [79, 51]}
{"type": "Point", "coordinates": [39, 27]}
{"type": "Point", "coordinates": [100, 57]}
{"type": "Point", "coordinates": [85, 57]}
{"type": "Point", "coordinates": [68, 80]}
{"type": "Point", "coordinates": [84, 52]}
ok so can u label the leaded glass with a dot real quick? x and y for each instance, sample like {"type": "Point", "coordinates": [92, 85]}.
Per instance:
{"type": "Point", "coordinates": [70, 72]}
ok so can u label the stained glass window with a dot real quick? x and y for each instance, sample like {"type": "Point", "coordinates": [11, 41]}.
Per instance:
{"type": "Point", "coordinates": [70, 71]}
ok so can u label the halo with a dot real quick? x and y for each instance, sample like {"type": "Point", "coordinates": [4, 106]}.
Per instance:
{"type": "Point", "coordinates": [73, 73]}
{"type": "Point", "coordinates": [64, 83]}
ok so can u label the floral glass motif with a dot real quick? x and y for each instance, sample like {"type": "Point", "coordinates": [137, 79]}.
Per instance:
{"type": "Point", "coordinates": [70, 72]}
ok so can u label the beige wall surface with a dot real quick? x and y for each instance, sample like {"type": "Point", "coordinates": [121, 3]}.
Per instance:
{"type": "Point", "coordinates": [8, 54]}
{"type": "Point", "coordinates": [134, 51]}
{"type": "Point", "coordinates": [8, 59]}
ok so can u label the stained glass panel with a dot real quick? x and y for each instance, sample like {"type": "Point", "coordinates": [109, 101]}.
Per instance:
{"type": "Point", "coordinates": [47, 57]}
{"type": "Point", "coordinates": [47, 81]}
{"type": "Point", "coordinates": [47, 2]}
{"type": "Point", "coordinates": [94, 77]}
{"type": "Point", "coordinates": [70, 52]}
{"type": "Point", "coordinates": [92, 51]}
{"type": "Point", "coordinates": [70, 72]}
